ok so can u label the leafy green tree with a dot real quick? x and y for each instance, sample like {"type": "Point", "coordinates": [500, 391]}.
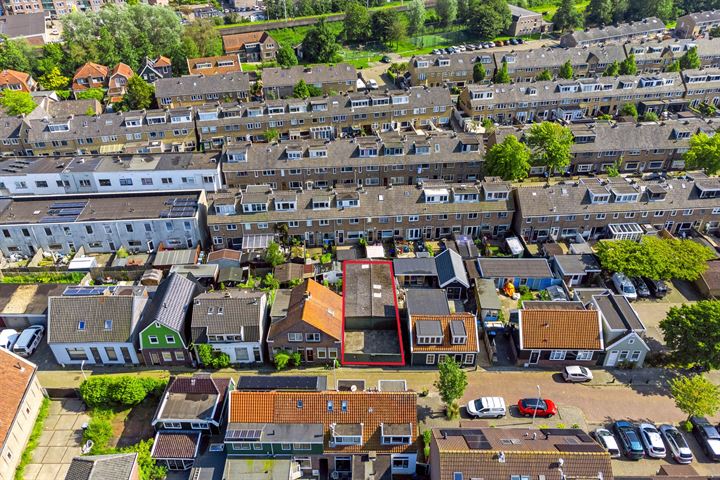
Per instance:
{"type": "Point", "coordinates": [52, 56]}
{"type": "Point", "coordinates": [479, 72]}
{"type": "Point", "coordinates": [674, 66]}
{"type": "Point", "coordinates": [16, 54]}
{"type": "Point", "coordinates": [707, 109]}
{"type": "Point", "coordinates": [140, 94]}
{"type": "Point", "coordinates": [447, 10]}
{"type": "Point", "coordinates": [655, 258]}
{"type": "Point", "coordinates": [357, 27]}
{"type": "Point", "coordinates": [16, 102]}
{"type": "Point", "coordinates": [696, 396]}
{"type": "Point", "coordinates": [207, 38]}
{"type": "Point", "coordinates": [567, 16]}
{"type": "Point", "coordinates": [451, 383]}
{"type": "Point", "coordinates": [692, 333]}
{"type": "Point", "coordinates": [91, 93]}
{"type": "Point", "coordinates": [315, 91]}
{"type": "Point", "coordinates": [502, 75]}
{"type": "Point", "coordinates": [599, 12]}
{"type": "Point", "coordinates": [416, 17]}
{"type": "Point", "coordinates": [629, 110]}
{"type": "Point", "coordinates": [95, 391]}
{"type": "Point", "coordinates": [272, 135]}
{"type": "Point", "coordinates": [149, 469]}
{"type": "Point", "coordinates": [319, 44]}
{"type": "Point", "coordinates": [488, 18]}
{"type": "Point", "coordinates": [566, 70]}
{"type": "Point", "coordinates": [388, 26]}
{"type": "Point", "coordinates": [54, 80]}
{"type": "Point", "coordinates": [211, 358]}
{"type": "Point", "coordinates": [629, 65]}
{"type": "Point", "coordinates": [704, 153]}
{"type": "Point", "coordinates": [545, 75]}
{"type": "Point", "coordinates": [128, 391]}
{"type": "Point", "coordinates": [650, 117]}
{"type": "Point", "coordinates": [550, 143]}
{"type": "Point", "coordinates": [612, 70]}
{"type": "Point", "coordinates": [270, 282]}
{"type": "Point", "coordinates": [286, 57]}
{"type": "Point", "coordinates": [509, 159]}
{"type": "Point", "coordinates": [300, 90]}
{"type": "Point", "coordinates": [273, 255]}
{"type": "Point", "coordinates": [690, 60]}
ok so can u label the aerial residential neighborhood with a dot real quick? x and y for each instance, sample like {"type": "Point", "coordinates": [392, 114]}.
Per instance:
{"type": "Point", "coordinates": [343, 240]}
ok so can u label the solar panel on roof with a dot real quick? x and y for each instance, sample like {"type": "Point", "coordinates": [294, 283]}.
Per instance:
{"type": "Point", "coordinates": [65, 212]}
{"type": "Point", "coordinates": [579, 447]}
{"type": "Point", "coordinates": [68, 205]}
{"type": "Point", "coordinates": [56, 219]}
{"type": "Point", "coordinates": [277, 383]}
{"type": "Point", "coordinates": [84, 291]}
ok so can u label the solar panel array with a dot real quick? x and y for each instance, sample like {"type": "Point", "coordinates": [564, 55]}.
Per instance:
{"type": "Point", "coordinates": [179, 207]}
{"type": "Point", "coordinates": [243, 435]}
{"type": "Point", "coordinates": [579, 447]}
{"type": "Point", "coordinates": [277, 383]}
{"type": "Point", "coordinates": [64, 212]}
{"type": "Point", "coordinates": [475, 439]}
{"type": "Point", "coordinates": [569, 432]}
{"type": "Point", "coordinates": [84, 291]}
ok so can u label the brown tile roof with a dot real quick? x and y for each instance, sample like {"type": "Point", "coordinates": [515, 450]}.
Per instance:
{"type": "Point", "coordinates": [162, 62]}
{"type": "Point", "coordinates": [176, 445]}
{"type": "Point", "coordinates": [122, 69]}
{"type": "Point", "coordinates": [560, 329]}
{"type": "Point", "coordinates": [8, 77]}
{"type": "Point", "coordinates": [233, 43]}
{"type": "Point", "coordinates": [369, 408]}
{"type": "Point", "coordinates": [322, 309]}
{"type": "Point", "coordinates": [91, 69]}
{"type": "Point", "coordinates": [447, 345]}
{"type": "Point", "coordinates": [14, 381]}
{"type": "Point", "coordinates": [224, 254]}
{"type": "Point", "coordinates": [214, 69]}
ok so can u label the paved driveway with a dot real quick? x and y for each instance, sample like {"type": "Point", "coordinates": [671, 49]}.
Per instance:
{"type": "Point", "coordinates": [60, 441]}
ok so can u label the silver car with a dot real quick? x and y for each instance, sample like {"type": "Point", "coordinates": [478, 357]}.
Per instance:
{"type": "Point", "coordinates": [678, 445]}
{"type": "Point", "coordinates": [607, 440]}
{"type": "Point", "coordinates": [652, 441]}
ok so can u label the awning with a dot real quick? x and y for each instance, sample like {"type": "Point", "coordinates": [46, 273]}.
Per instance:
{"type": "Point", "coordinates": [113, 148]}
{"type": "Point", "coordinates": [257, 242]}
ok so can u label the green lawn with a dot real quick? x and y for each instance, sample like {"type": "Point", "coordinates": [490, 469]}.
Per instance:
{"type": "Point", "coordinates": [549, 9]}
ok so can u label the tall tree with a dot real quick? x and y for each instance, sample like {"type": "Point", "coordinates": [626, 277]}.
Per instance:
{"type": "Point", "coordinates": [629, 110]}
{"type": "Point", "coordinates": [16, 55]}
{"type": "Point", "coordinates": [357, 26]}
{"type": "Point", "coordinates": [300, 90]}
{"type": "Point", "coordinates": [388, 25]}
{"type": "Point", "coordinates": [320, 44]}
{"type": "Point", "coordinates": [451, 383]}
{"type": "Point", "coordinates": [463, 8]}
{"type": "Point", "coordinates": [566, 70]}
{"type": "Point", "coordinates": [488, 18]}
{"type": "Point", "coordinates": [567, 16]}
{"type": "Point", "coordinates": [286, 57]}
{"type": "Point", "coordinates": [140, 94]}
{"type": "Point", "coordinates": [544, 76]}
{"type": "Point", "coordinates": [274, 255]}
{"type": "Point", "coordinates": [690, 59]}
{"type": "Point", "coordinates": [54, 80]}
{"type": "Point", "coordinates": [416, 17]}
{"type": "Point", "coordinates": [479, 72]}
{"type": "Point", "coordinates": [207, 38]}
{"type": "Point", "coordinates": [501, 74]}
{"type": "Point", "coordinates": [447, 10]}
{"type": "Point", "coordinates": [509, 159]}
{"type": "Point", "coordinates": [612, 70]}
{"type": "Point", "coordinates": [692, 333]}
{"type": "Point", "coordinates": [17, 103]}
{"type": "Point", "coordinates": [704, 153]}
{"type": "Point", "coordinates": [599, 12]}
{"type": "Point", "coordinates": [696, 396]}
{"type": "Point", "coordinates": [550, 143]}
{"type": "Point", "coordinates": [629, 65]}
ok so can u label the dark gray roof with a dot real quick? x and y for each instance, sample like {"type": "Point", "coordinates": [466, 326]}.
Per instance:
{"type": "Point", "coordinates": [201, 85]}
{"type": "Point", "coordinates": [487, 296]}
{"type": "Point", "coordinates": [171, 302]}
{"type": "Point", "coordinates": [284, 432]}
{"type": "Point", "coordinates": [228, 312]}
{"type": "Point", "coordinates": [428, 328]}
{"type": "Point", "coordinates": [426, 301]}
{"type": "Point", "coordinates": [450, 268]}
{"type": "Point", "coordinates": [549, 305]}
{"type": "Point", "coordinates": [102, 467]}
{"type": "Point", "coordinates": [514, 267]}
{"type": "Point", "coordinates": [577, 264]}
{"type": "Point", "coordinates": [25, 25]}
{"type": "Point", "coordinates": [415, 266]}
{"type": "Point", "coordinates": [65, 313]}
{"type": "Point", "coordinates": [369, 290]}
{"type": "Point", "coordinates": [618, 313]}
{"type": "Point", "coordinates": [288, 77]}
{"type": "Point", "coordinates": [457, 328]}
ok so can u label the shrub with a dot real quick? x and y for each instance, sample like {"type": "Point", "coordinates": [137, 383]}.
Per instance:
{"type": "Point", "coordinates": [211, 358]}
{"type": "Point", "coordinates": [122, 253]}
{"type": "Point", "coordinates": [427, 437]}
{"type": "Point", "coordinates": [687, 426]}
{"type": "Point", "coordinates": [99, 431]}
{"type": "Point", "coordinates": [523, 290]}
{"type": "Point", "coordinates": [282, 358]}
{"type": "Point", "coordinates": [295, 358]}
{"type": "Point", "coordinates": [34, 439]}
{"type": "Point", "coordinates": [452, 411]}
{"type": "Point", "coordinates": [122, 391]}
{"type": "Point", "coordinates": [128, 391]}
{"type": "Point", "coordinates": [149, 470]}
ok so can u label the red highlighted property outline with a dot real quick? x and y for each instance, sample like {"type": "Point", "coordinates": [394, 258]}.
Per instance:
{"type": "Point", "coordinates": [397, 318]}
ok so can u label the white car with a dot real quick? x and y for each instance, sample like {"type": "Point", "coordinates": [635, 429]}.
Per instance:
{"type": "Point", "coordinates": [678, 445]}
{"type": "Point", "coordinates": [29, 340]}
{"type": "Point", "coordinates": [652, 441]}
{"type": "Point", "coordinates": [624, 286]}
{"type": "Point", "coordinates": [487, 407]}
{"type": "Point", "coordinates": [575, 373]}
{"type": "Point", "coordinates": [607, 440]}
{"type": "Point", "coordinates": [372, 84]}
{"type": "Point", "coordinates": [8, 337]}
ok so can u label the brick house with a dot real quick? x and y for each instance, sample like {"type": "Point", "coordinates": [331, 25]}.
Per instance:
{"type": "Point", "coordinates": [251, 46]}
{"type": "Point", "coordinates": [17, 81]}
{"type": "Point", "coordinates": [90, 75]}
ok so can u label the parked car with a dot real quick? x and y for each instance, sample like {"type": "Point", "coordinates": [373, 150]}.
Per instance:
{"type": "Point", "coordinates": [512, 41]}
{"type": "Point", "coordinates": [679, 448]}
{"type": "Point", "coordinates": [575, 373]}
{"type": "Point", "coordinates": [372, 84]}
{"type": "Point", "coordinates": [541, 407]}
{"type": "Point", "coordinates": [640, 287]}
{"type": "Point", "coordinates": [607, 440]}
{"type": "Point", "coordinates": [657, 288]}
{"type": "Point", "coordinates": [624, 286]}
{"type": "Point", "coordinates": [29, 340]}
{"type": "Point", "coordinates": [652, 441]}
{"type": "Point", "coordinates": [520, 41]}
{"type": "Point", "coordinates": [499, 43]}
{"type": "Point", "coordinates": [8, 337]}
{"type": "Point", "coordinates": [707, 436]}
{"type": "Point", "coordinates": [385, 59]}
{"type": "Point", "coordinates": [629, 441]}
{"type": "Point", "coordinates": [556, 293]}
{"type": "Point", "coordinates": [487, 407]}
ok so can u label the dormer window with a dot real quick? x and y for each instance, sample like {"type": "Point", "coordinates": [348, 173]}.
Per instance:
{"type": "Point", "coordinates": [396, 433]}
{"type": "Point", "coordinates": [481, 95]}
{"type": "Point", "coordinates": [133, 122]}
{"type": "Point", "coordinates": [320, 107]}
{"type": "Point", "coordinates": [226, 63]}
{"type": "Point", "coordinates": [400, 99]}
{"type": "Point", "coordinates": [346, 434]}
{"type": "Point", "coordinates": [361, 102]}
{"type": "Point", "coordinates": [465, 197]}
{"type": "Point", "coordinates": [202, 66]}
{"type": "Point", "coordinates": [286, 205]}
{"type": "Point", "coordinates": [208, 115]}
{"type": "Point", "coordinates": [276, 110]}
{"type": "Point", "coordinates": [320, 204]}
{"type": "Point", "coordinates": [368, 152]}
{"type": "Point", "coordinates": [444, 62]}
{"type": "Point", "coordinates": [429, 340]}
{"type": "Point", "coordinates": [157, 120]}
{"type": "Point", "coordinates": [509, 59]}
{"type": "Point", "coordinates": [681, 134]}
{"type": "Point", "coordinates": [422, 64]}
{"type": "Point", "coordinates": [599, 197]}
{"type": "Point", "coordinates": [108, 324]}
{"type": "Point", "coordinates": [236, 156]}
{"type": "Point", "coordinates": [436, 195]}
{"type": "Point", "coordinates": [294, 154]}
{"type": "Point", "coordinates": [349, 203]}
{"type": "Point", "coordinates": [429, 332]}
{"type": "Point", "coordinates": [422, 149]}
{"type": "Point", "coordinates": [458, 332]}
{"type": "Point", "coordinates": [494, 196]}
{"type": "Point", "coordinates": [297, 108]}
{"type": "Point", "coordinates": [254, 112]}
{"type": "Point", "coordinates": [226, 209]}
{"type": "Point", "coordinates": [318, 153]}
{"type": "Point", "coordinates": [393, 151]}
{"type": "Point", "coordinates": [59, 127]}
{"type": "Point", "coordinates": [707, 191]}
{"type": "Point", "coordinates": [254, 207]}
{"type": "Point", "coordinates": [184, 118]}
{"type": "Point", "coordinates": [626, 198]}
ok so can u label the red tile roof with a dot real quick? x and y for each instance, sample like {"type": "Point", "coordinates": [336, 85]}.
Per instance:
{"type": "Point", "coordinates": [175, 445]}
{"type": "Point", "coordinates": [122, 69]}
{"type": "Point", "coordinates": [13, 77]}
{"type": "Point", "coordinates": [314, 304]}
{"type": "Point", "coordinates": [162, 62]}
{"type": "Point", "coordinates": [234, 43]}
{"type": "Point", "coordinates": [468, 320]}
{"type": "Point", "coordinates": [14, 382]}
{"type": "Point", "coordinates": [214, 69]}
{"type": "Point", "coordinates": [91, 69]}
{"type": "Point", "coordinates": [560, 329]}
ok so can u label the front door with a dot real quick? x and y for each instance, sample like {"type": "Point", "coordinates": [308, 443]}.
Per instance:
{"type": "Point", "coordinates": [154, 358]}
{"type": "Point", "coordinates": [309, 355]}
{"type": "Point", "coordinates": [534, 357]}
{"type": "Point", "coordinates": [612, 358]}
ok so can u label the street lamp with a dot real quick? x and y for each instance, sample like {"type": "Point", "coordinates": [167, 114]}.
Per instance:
{"type": "Point", "coordinates": [536, 405]}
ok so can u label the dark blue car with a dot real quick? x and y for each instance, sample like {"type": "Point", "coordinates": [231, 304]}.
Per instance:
{"type": "Point", "coordinates": [629, 440]}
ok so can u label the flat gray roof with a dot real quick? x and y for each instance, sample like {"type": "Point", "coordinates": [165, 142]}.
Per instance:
{"type": "Point", "coordinates": [426, 301]}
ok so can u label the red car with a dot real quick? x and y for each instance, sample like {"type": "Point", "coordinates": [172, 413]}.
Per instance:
{"type": "Point", "coordinates": [541, 407]}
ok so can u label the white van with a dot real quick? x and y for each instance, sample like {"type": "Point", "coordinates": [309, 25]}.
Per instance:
{"type": "Point", "coordinates": [487, 407]}
{"type": "Point", "coordinates": [624, 286]}
{"type": "Point", "coordinates": [28, 341]}
{"type": "Point", "coordinates": [8, 337]}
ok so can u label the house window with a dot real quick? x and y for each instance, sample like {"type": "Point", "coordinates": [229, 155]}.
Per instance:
{"type": "Point", "coordinates": [332, 353]}
{"type": "Point", "coordinates": [180, 356]}
{"type": "Point", "coordinates": [330, 406]}
{"type": "Point", "coordinates": [172, 425]}
{"type": "Point", "coordinates": [76, 354]}
{"type": "Point", "coordinates": [430, 359]}
{"type": "Point", "coordinates": [295, 337]}
{"type": "Point", "coordinates": [312, 337]}
{"type": "Point", "coordinates": [584, 355]}
{"type": "Point", "coordinates": [469, 358]}
{"type": "Point", "coordinates": [81, 325]}
{"type": "Point", "coordinates": [457, 476]}
{"type": "Point", "coordinates": [111, 354]}
{"type": "Point", "coordinates": [169, 339]}
{"type": "Point", "coordinates": [167, 357]}
{"type": "Point", "coordinates": [400, 463]}
{"type": "Point", "coordinates": [153, 340]}
{"type": "Point", "coordinates": [557, 355]}
{"type": "Point", "coordinates": [321, 353]}
{"type": "Point", "coordinates": [301, 446]}
{"type": "Point", "coordinates": [285, 446]}
{"type": "Point", "coordinates": [635, 356]}
{"type": "Point", "coordinates": [108, 324]}
{"type": "Point", "coordinates": [199, 426]}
